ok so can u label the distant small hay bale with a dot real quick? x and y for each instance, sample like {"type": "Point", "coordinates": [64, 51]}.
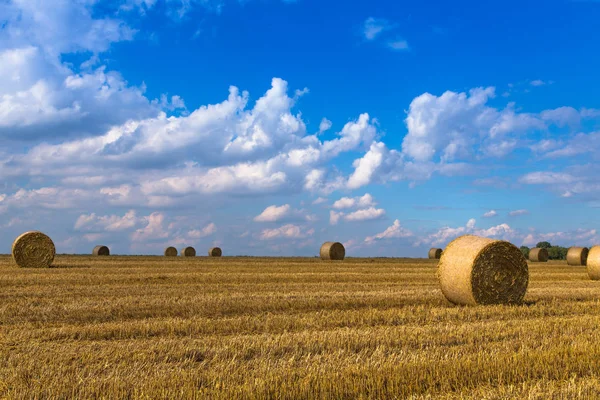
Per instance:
{"type": "Point", "coordinates": [435, 253]}
{"type": "Point", "coordinates": [577, 255]}
{"type": "Point", "coordinates": [171, 252]}
{"type": "Point", "coordinates": [215, 252]}
{"type": "Point", "coordinates": [333, 251]}
{"type": "Point", "coordinates": [101, 251]}
{"type": "Point", "coordinates": [593, 263]}
{"type": "Point", "coordinates": [188, 252]}
{"type": "Point", "coordinates": [476, 270]}
{"type": "Point", "coordinates": [33, 249]}
{"type": "Point", "coordinates": [538, 255]}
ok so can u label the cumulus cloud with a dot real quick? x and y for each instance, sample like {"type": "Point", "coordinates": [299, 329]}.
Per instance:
{"type": "Point", "coordinates": [516, 213]}
{"type": "Point", "coordinates": [109, 223]}
{"type": "Point", "coordinates": [365, 214]}
{"type": "Point", "coordinates": [461, 126]}
{"type": "Point", "coordinates": [289, 231]}
{"type": "Point", "coordinates": [365, 200]}
{"type": "Point", "coordinates": [490, 214]}
{"type": "Point", "coordinates": [373, 27]}
{"type": "Point", "coordinates": [200, 233]}
{"type": "Point", "coordinates": [154, 229]}
{"type": "Point", "coordinates": [447, 233]}
{"type": "Point", "coordinates": [395, 231]}
{"type": "Point", "coordinates": [325, 125]}
{"type": "Point", "coordinates": [273, 213]}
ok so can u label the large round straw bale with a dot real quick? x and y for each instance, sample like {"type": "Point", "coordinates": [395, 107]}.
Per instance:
{"type": "Point", "coordinates": [477, 270]}
{"type": "Point", "coordinates": [188, 252]}
{"type": "Point", "coordinates": [33, 250]}
{"type": "Point", "coordinates": [170, 251]}
{"type": "Point", "coordinates": [577, 255]}
{"type": "Point", "coordinates": [593, 263]}
{"type": "Point", "coordinates": [538, 255]}
{"type": "Point", "coordinates": [215, 252]}
{"type": "Point", "coordinates": [333, 251]}
{"type": "Point", "coordinates": [101, 251]}
{"type": "Point", "coordinates": [434, 253]}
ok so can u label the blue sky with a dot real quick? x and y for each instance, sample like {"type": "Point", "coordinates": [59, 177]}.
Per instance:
{"type": "Point", "coordinates": [270, 126]}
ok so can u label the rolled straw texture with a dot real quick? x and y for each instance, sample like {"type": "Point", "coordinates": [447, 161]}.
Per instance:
{"type": "Point", "coordinates": [33, 250]}
{"type": "Point", "coordinates": [434, 253]}
{"type": "Point", "coordinates": [215, 252]}
{"type": "Point", "coordinates": [332, 251]}
{"type": "Point", "coordinates": [577, 255]}
{"type": "Point", "coordinates": [170, 252]}
{"type": "Point", "coordinates": [188, 252]}
{"type": "Point", "coordinates": [477, 270]}
{"type": "Point", "coordinates": [538, 255]}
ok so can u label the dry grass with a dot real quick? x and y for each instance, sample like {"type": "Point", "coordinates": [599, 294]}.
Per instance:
{"type": "Point", "coordinates": [227, 328]}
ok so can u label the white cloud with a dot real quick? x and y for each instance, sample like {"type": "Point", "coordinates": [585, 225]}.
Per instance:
{"type": "Point", "coordinates": [394, 231]}
{"type": "Point", "coordinates": [536, 178]}
{"type": "Point", "coordinates": [461, 126]}
{"type": "Point", "coordinates": [206, 231]}
{"type": "Point", "coordinates": [537, 82]}
{"type": "Point", "coordinates": [290, 231]}
{"type": "Point", "coordinates": [446, 234]}
{"type": "Point", "coordinates": [365, 200]}
{"type": "Point", "coordinates": [373, 27]}
{"type": "Point", "coordinates": [154, 229]}
{"type": "Point", "coordinates": [108, 223]}
{"type": "Point", "coordinates": [490, 214]}
{"type": "Point", "coordinates": [273, 213]}
{"type": "Point", "coordinates": [365, 215]}
{"type": "Point", "coordinates": [398, 44]}
{"type": "Point", "coordinates": [517, 213]}
{"type": "Point", "coordinates": [586, 237]}
{"type": "Point", "coordinates": [334, 217]}
{"type": "Point", "coordinates": [319, 200]}
{"type": "Point", "coordinates": [325, 125]}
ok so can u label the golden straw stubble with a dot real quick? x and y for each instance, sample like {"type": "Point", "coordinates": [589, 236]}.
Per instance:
{"type": "Point", "coordinates": [33, 250]}
{"type": "Point", "coordinates": [593, 263]}
{"type": "Point", "coordinates": [332, 251]}
{"type": "Point", "coordinates": [476, 270]}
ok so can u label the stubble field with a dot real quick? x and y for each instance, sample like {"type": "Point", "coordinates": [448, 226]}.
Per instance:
{"type": "Point", "coordinates": [274, 328]}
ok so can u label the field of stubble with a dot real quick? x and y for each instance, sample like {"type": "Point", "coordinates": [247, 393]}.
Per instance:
{"type": "Point", "coordinates": [246, 328]}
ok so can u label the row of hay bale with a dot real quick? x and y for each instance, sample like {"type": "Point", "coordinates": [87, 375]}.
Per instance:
{"type": "Point", "coordinates": [575, 255]}
{"type": "Point", "coordinates": [471, 270]}
{"type": "Point", "coordinates": [169, 251]}
{"type": "Point", "coordinates": [35, 249]}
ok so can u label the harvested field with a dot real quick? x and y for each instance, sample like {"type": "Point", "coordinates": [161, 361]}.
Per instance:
{"type": "Point", "coordinates": [233, 328]}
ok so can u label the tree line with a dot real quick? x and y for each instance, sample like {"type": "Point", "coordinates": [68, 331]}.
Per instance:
{"type": "Point", "coordinates": [554, 252]}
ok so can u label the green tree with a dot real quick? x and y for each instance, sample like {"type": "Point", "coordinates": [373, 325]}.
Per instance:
{"type": "Point", "coordinates": [557, 253]}
{"type": "Point", "coordinates": [543, 245]}
{"type": "Point", "coordinates": [525, 251]}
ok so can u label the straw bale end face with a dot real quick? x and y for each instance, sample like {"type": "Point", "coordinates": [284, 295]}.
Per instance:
{"type": "Point", "coordinates": [538, 255]}
{"type": "Point", "coordinates": [435, 253]}
{"type": "Point", "coordinates": [476, 270]}
{"type": "Point", "coordinates": [332, 251]}
{"type": "Point", "coordinates": [593, 263]}
{"type": "Point", "coordinates": [188, 252]}
{"type": "Point", "coordinates": [577, 255]}
{"type": "Point", "coordinates": [33, 250]}
{"type": "Point", "coordinates": [215, 252]}
{"type": "Point", "coordinates": [171, 252]}
{"type": "Point", "coordinates": [101, 251]}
